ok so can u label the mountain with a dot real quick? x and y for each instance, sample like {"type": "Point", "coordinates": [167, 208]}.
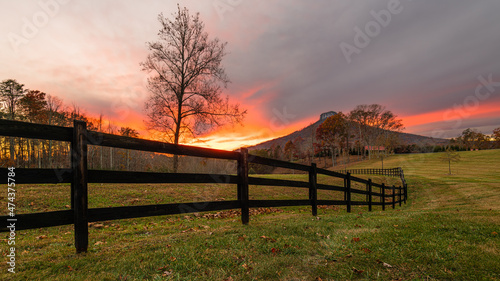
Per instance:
{"type": "Point", "coordinates": [305, 137]}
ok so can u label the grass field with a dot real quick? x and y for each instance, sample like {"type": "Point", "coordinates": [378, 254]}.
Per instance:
{"type": "Point", "coordinates": [447, 231]}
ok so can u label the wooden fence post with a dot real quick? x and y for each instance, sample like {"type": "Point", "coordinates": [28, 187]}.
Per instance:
{"type": "Point", "coordinates": [394, 197]}
{"type": "Point", "coordinates": [348, 191]}
{"type": "Point", "coordinates": [406, 191]}
{"type": "Point", "coordinates": [313, 189]}
{"type": "Point", "coordinates": [243, 195]}
{"type": "Point", "coordinates": [345, 191]}
{"type": "Point", "coordinates": [400, 191]}
{"type": "Point", "coordinates": [370, 195]}
{"type": "Point", "coordinates": [79, 190]}
{"type": "Point", "coordinates": [383, 197]}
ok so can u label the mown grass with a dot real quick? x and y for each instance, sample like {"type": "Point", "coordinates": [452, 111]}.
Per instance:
{"type": "Point", "coordinates": [447, 231]}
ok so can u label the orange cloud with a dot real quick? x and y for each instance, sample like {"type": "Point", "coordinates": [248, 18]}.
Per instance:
{"type": "Point", "coordinates": [484, 110]}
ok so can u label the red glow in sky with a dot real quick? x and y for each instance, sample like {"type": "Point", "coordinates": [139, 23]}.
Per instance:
{"type": "Point", "coordinates": [284, 61]}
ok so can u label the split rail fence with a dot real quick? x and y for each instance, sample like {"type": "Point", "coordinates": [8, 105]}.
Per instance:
{"type": "Point", "coordinates": [79, 176]}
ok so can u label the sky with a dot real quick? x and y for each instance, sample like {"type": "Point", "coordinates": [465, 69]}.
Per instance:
{"type": "Point", "coordinates": [435, 64]}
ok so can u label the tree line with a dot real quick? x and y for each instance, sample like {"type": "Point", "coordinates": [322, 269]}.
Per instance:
{"type": "Point", "coordinates": [34, 106]}
{"type": "Point", "coordinates": [366, 131]}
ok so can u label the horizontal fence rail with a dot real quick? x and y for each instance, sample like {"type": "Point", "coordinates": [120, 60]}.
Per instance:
{"type": "Point", "coordinates": [79, 176]}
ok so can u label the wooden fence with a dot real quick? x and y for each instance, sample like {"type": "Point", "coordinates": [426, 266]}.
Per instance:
{"type": "Point", "coordinates": [79, 177]}
{"type": "Point", "coordinates": [394, 172]}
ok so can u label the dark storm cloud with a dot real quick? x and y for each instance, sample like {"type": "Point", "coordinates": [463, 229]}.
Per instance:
{"type": "Point", "coordinates": [285, 61]}
{"type": "Point", "coordinates": [427, 58]}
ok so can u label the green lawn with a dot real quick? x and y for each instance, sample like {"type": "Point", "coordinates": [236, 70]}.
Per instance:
{"type": "Point", "coordinates": [448, 230]}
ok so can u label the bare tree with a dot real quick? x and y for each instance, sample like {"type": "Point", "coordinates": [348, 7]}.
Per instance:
{"type": "Point", "coordinates": [186, 80]}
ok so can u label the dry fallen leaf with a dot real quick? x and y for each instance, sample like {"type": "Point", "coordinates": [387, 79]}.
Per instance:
{"type": "Point", "coordinates": [41, 237]}
{"type": "Point", "coordinates": [173, 258]}
{"type": "Point", "coordinates": [357, 271]}
{"type": "Point", "coordinates": [245, 266]}
{"type": "Point", "coordinates": [386, 264]}
{"type": "Point", "coordinates": [355, 239]}
{"type": "Point", "coordinates": [366, 250]}
{"type": "Point", "coordinates": [98, 243]}
{"type": "Point", "coordinates": [268, 238]}
{"type": "Point", "coordinates": [167, 273]}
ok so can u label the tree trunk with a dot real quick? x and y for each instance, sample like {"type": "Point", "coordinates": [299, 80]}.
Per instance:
{"type": "Point", "coordinates": [128, 160]}
{"type": "Point", "coordinates": [11, 147]}
{"type": "Point", "coordinates": [40, 157]}
{"type": "Point", "coordinates": [28, 148]}
{"type": "Point", "coordinates": [178, 127]}
{"type": "Point", "coordinates": [111, 158]}
{"type": "Point", "coordinates": [50, 154]}
{"type": "Point", "coordinates": [333, 160]}
{"type": "Point", "coordinates": [176, 141]}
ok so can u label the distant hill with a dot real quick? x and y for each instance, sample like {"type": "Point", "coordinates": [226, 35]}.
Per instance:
{"type": "Point", "coordinates": [306, 135]}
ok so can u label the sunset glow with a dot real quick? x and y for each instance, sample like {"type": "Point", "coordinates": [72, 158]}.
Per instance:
{"type": "Point", "coordinates": [285, 65]}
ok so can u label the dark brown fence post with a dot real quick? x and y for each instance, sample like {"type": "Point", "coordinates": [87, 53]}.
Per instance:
{"type": "Point", "coordinates": [345, 191]}
{"type": "Point", "coordinates": [243, 195]}
{"type": "Point", "coordinates": [313, 189]}
{"type": "Point", "coordinates": [370, 195]}
{"type": "Point", "coordinates": [400, 193]}
{"type": "Point", "coordinates": [383, 197]}
{"type": "Point", "coordinates": [79, 190]}
{"type": "Point", "coordinates": [393, 197]}
{"type": "Point", "coordinates": [406, 191]}
{"type": "Point", "coordinates": [348, 191]}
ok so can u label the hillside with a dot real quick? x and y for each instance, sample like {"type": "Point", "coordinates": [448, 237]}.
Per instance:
{"type": "Point", "coordinates": [307, 133]}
